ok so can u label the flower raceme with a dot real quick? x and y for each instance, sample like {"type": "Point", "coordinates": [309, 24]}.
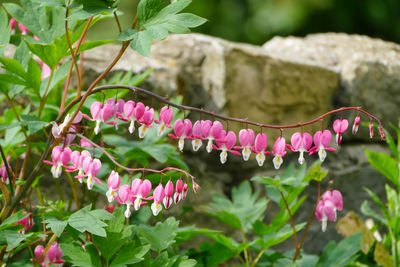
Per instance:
{"type": "Point", "coordinates": [326, 208]}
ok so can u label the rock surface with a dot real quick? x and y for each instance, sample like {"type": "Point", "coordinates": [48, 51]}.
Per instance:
{"type": "Point", "coordinates": [287, 80]}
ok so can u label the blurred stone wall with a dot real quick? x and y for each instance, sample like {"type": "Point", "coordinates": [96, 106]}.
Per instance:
{"type": "Point", "coordinates": [287, 80]}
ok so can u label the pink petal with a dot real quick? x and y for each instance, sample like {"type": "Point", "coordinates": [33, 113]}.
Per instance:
{"type": "Point", "coordinates": [129, 108]}
{"type": "Point", "coordinates": [206, 127]}
{"type": "Point", "coordinates": [159, 193]}
{"type": "Point", "coordinates": [95, 109]}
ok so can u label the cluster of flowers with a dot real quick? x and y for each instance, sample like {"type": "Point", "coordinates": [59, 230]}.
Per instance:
{"type": "Point", "coordinates": [137, 194]}
{"type": "Point", "coordinates": [225, 141]}
{"type": "Point", "coordinates": [53, 255]}
{"type": "Point", "coordinates": [81, 161]}
{"type": "Point", "coordinates": [326, 208]}
{"type": "Point", "coordinates": [129, 111]}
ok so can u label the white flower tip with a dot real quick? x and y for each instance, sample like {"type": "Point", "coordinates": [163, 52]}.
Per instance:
{"type": "Point", "coordinates": [301, 158]}
{"type": "Point", "coordinates": [196, 144]}
{"type": "Point", "coordinates": [181, 143]}
{"type": "Point", "coordinates": [209, 145]}
{"type": "Point", "coordinates": [156, 208]}
{"type": "Point", "coordinates": [322, 154]}
{"type": "Point", "coordinates": [142, 131]}
{"type": "Point", "coordinates": [324, 224]}
{"type": "Point", "coordinates": [260, 157]}
{"type": "Point", "coordinates": [223, 156]}
{"type": "Point", "coordinates": [127, 212]}
{"type": "Point", "coordinates": [246, 153]}
{"type": "Point", "coordinates": [137, 203]}
{"type": "Point", "coordinates": [277, 161]}
{"type": "Point", "coordinates": [161, 130]}
{"type": "Point", "coordinates": [131, 127]}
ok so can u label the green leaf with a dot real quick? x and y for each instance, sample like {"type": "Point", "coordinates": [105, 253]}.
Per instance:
{"type": "Point", "coordinates": [245, 207]}
{"type": "Point", "coordinates": [85, 221]}
{"type": "Point", "coordinates": [127, 35]}
{"type": "Point", "coordinates": [5, 30]}
{"type": "Point", "coordinates": [13, 66]}
{"type": "Point", "coordinates": [385, 164]}
{"type": "Point", "coordinates": [316, 173]}
{"type": "Point", "coordinates": [34, 123]}
{"type": "Point", "coordinates": [189, 20]}
{"type": "Point", "coordinates": [79, 257]}
{"type": "Point", "coordinates": [11, 79]}
{"type": "Point", "coordinates": [56, 226]}
{"type": "Point", "coordinates": [141, 42]}
{"type": "Point", "coordinates": [158, 32]}
{"type": "Point", "coordinates": [161, 236]}
{"type": "Point", "coordinates": [33, 75]}
{"type": "Point", "coordinates": [130, 254]}
{"type": "Point", "coordinates": [341, 254]}
{"type": "Point", "coordinates": [147, 9]}
{"type": "Point", "coordinates": [10, 221]}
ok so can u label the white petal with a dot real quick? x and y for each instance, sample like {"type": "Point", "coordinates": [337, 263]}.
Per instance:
{"type": "Point", "coordinates": [137, 203]}
{"type": "Point", "coordinates": [167, 202]}
{"type": "Point", "coordinates": [142, 131]}
{"type": "Point", "coordinates": [196, 144]}
{"type": "Point", "coordinates": [177, 197]}
{"type": "Point", "coordinates": [181, 143]}
{"type": "Point", "coordinates": [324, 224]}
{"type": "Point", "coordinates": [301, 157]}
{"type": "Point", "coordinates": [110, 195]}
{"type": "Point", "coordinates": [246, 152]}
{"type": "Point", "coordinates": [277, 161]}
{"type": "Point", "coordinates": [97, 128]}
{"type": "Point", "coordinates": [127, 212]}
{"type": "Point", "coordinates": [209, 145]}
{"type": "Point", "coordinates": [90, 182]}
{"type": "Point", "coordinates": [132, 127]}
{"type": "Point", "coordinates": [156, 208]}
{"type": "Point", "coordinates": [161, 129]}
{"type": "Point", "coordinates": [322, 154]}
{"type": "Point", "coordinates": [260, 157]}
{"type": "Point", "coordinates": [223, 156]}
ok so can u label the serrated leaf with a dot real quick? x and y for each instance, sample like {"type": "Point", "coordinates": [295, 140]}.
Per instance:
{"type": "Point", "coordinates": [13, 66]}
{"type": "Point", "coordinates": [79, 257]}
{"type": "Point", "coordinates": [5, 30]}
{"type": "Point", "coordinates": [56, 226]}
{"type": "Point", "coordinates": [161, 236]}
{"type": "Point", "coordinates": [13, 219]}
{"type": "Point", "coordinates": [141, 42]}
{"type": "Point", "coordinates": [127, 35]}
{"type": "Point", "coordinates": [158, 32]}
{"type": "Point", "coordinates": [84, 221]}
{"type": "Point", "coordinates": [130, 254]}
{"type": "Point", "coordinates": [147, 9]}
{"type": "Point", "coordinates": [33, 75]}
{"type": "Point", "coordinates": [34, 123]}
{"type": "Point", "coordinates": [189, 20]}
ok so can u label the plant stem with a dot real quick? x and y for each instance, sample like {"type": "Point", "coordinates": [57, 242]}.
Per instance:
{"type": "Point", "coordinates": [246, 253]}
{"type": "Point", "coordinates": [43, 100]}
{"type": "Point", "coordinates": [51, 241]}
{"type": "Point", "coordinates": [308, 223]}
{"type": "Point", "coordinates": [7, 170]}
{"type": "Point", "coordinates": [296, 244]}
{"type": "Point", "coordinates": [117, 20]}
{"type": "Point", "coordinates": [258, 257]}
{"type": "Point", "coordinates": [16, 114]}
{"type": "Point", "coordinates": [74, 192]}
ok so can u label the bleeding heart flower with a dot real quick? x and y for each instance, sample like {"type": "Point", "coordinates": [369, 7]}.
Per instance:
{"type": "Point", "coordinates": [340, 126]}
{"type": "Point", "coordinates": [279, 151]}
{"type": "Point", "coordinates": [300, 143]}
{"type": "Point", "coordinates": [113, 183]}
{"type": "Point", "coordinates": [143, 190]}
{"type": "Point", "coordinates": [60, 157]}
{"type": "Point", "coordinates": [260, 148]}
{"type": "Point", "coordinates": [124, 193]}
{"type": "Point", "coordinates": [169, 190]}
{"type": "Point", "coordinates": [197, 136]}
{"type": "Point", "coordinates": [246, 140]}
{"type": "Point", "coordinates": [327, 206]}
{"type": "Point", "coordinates": [24, 30]}
{"type": "Point", "coordinates": [146, 121]}
{"type": "Point", "coordinates": [182, 130]}
{"type": "Point", "coordinates": [166, 115]}
{"type": "Point", "coordinates": [371, 130]}
{"type": "Point", "coordinates": [225, 143]}
{"type": "Point", "coordinates": [357, 121]}
{"type": "Point", "coordinates": [178, 191]}
{"type": "Point", "coordinates": [158, 195]}
{"type": "Point", "coordinates": [322, 141]}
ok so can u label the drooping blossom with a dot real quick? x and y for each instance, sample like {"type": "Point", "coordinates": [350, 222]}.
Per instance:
{"type": "Point", "coordinates": [197, 141]}
{"type": "Point", "coordinates": [300, 143]}
{"type": "Point", "coordinates": [246, 140]}
{"type": "Point", "coordinates": [146, 121]}
{"type": "Point", "coordinates": [178, 191]}
{"type": "Point", "coordinates": [326, 209]}
{"type": "Point", "coordinates": [13, 24]}
{"type": "Point", "coordinates": [124, 193]}
{"type": "Point", "coordinates": [26, 222]}
{"type": "Point", "coordinates": [371, 130]}
{"type": "Point", "coordinates": [110, 208]}
{"type": "Point", "coordinates": [113, 183]}
{"type": "Point", "coordinates": [133, 112]}
{"type": "Point", "coordinates": [158, 195]}
{"type": "Point", "coordinates": [168, 192]}
{"type": "Point", "coordinates": [24, 30]}
{"type": "Point", "coordinates": [322, 141]}
{"type": "Point", "coordinates": [165, 119]}
{"type": "Point", "coordinates": [340, 126]}
{"type": "Point", "coordinates": [100, 113]}
{"type": "Point", "coordinates": [260, 148]}
{"type": "Point", "coordinates": [211, 131]}
{"type": "Point", "coordinates": [279, 151]}
{"type": "Point", "coordinates": [57, 130]}
{"type": "Point", "coordinates": [91, 168]}
{"type": "Point", "coordinates": [141, 193]}
{"type": "Point", "coordinates": [77, 159]}
{"type": "Point", "coordinates": [357, 121]}
{"type": "Point", "coordinates": [182, 130]}
{"type": "Point", "coordinates": [225, 143]}
{"type": "Point", "coordinates": [60, 157]}
{"type": "Point", "coordinates": [117, 107]}
{"type": "Point", "coordinates": [184, 191]}
{"type": "Point", "coordinates": [3, 171]}
{"type": "Point", "coordinates": [195, 186]}
{"type": "Point", "coordinates": [84, 143]}
{"type": "Point", "coordinates": [53, 255]}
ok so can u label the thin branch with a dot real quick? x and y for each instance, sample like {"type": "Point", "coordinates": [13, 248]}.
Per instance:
{"type": "Point", "coordinates": [222, 117]}
{"type": "Point", "coordinates": [7, 169]}
{"type": "Point", "coordinates": [291, 219]}
{"type": "Point", "coordinates": [117, 20]}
